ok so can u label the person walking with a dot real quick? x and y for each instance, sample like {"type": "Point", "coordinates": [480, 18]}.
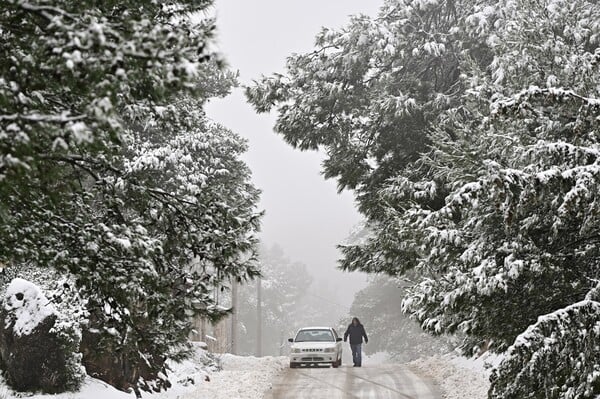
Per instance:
{"type": "Point", "coordinates": [356, 332]}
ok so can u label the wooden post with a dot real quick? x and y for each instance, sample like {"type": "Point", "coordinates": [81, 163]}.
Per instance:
{"type": "Point", "coordinates": [258, 318]}
{"type": "Point", "coordinates": [234, 316]}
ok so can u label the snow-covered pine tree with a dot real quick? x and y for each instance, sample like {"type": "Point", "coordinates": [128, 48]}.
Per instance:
{"type": "Point", "coordinates": [538, 182]}
{"type": "Point", "coordinates": [557, 357]}
{"type": "Point", "coordinates": [369, 91]}
{"type": "Point", "coordinates": [516, 237]}
{"type": "Point", "coordinates": [110, 171]}
{"type": "Point", "coordinates": [184, 188]}
{"type": "Point", "coordinates": [368, 95]}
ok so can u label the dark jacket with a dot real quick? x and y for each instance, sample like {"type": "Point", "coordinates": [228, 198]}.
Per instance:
{"type": "Point", "coordinates": [356, 334]}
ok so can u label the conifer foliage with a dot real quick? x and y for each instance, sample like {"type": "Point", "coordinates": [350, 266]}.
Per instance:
{"type": "Point", "coordinates": [110, 170]}
{"type": "Point", "coordinates": [482, 181]}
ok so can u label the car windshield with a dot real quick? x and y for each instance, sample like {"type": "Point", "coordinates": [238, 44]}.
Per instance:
{"type": "Point", "coordinates": [314, 335]}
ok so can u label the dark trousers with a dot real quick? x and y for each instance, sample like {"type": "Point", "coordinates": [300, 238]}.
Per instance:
{"type": "Point", "coordinates": [356, 354]}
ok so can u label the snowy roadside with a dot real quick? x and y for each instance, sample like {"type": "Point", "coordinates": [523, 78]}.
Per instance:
{"type": "Point", "coordinates": [457, 377]}
{"type": "Point", "coordinates": [240, 378]}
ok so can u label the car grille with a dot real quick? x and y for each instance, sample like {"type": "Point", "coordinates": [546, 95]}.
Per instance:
{"type": "Point", "coordinates": [312, 359]}
{"type": "Point", "coordinates": [313, 350]}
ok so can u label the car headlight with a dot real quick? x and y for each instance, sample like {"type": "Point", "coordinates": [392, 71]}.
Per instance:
{"type": "Point", "coordinates": [296, 350]}
{"type": "Point", "coordinates": [329, 350]}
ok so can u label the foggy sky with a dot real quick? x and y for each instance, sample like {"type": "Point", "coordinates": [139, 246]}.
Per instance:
{"type": "Point", "coordinates": [304, 213]}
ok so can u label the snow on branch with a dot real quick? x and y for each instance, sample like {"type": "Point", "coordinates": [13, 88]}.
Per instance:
{"type": "Point", "coordinates": [61, 118]}
{"type": "Point", "coordinates": [536, 365]}
{"type": "Point", "coordinates": [520, 99]}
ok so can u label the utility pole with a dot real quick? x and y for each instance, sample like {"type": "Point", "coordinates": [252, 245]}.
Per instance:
{"type": "Point", "coordinates": [234, 316]}
{"type": "Point", "coordinates": [258, 317]}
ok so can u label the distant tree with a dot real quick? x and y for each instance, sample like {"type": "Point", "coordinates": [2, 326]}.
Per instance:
{"type": "Point", "coordinates": [389, 329]}
{"type": "Point", "coordinates": [110, 169]}
{"type": "Point", "coordinates": [284, 285]}
{"type": "Point", "coordinates": [496, 214]}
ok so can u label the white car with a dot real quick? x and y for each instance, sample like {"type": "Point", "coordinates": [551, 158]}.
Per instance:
{"type": "Point", "coordinates": [316, 346]}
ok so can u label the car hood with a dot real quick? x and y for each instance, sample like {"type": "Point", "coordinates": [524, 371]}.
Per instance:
{"type": "Point", "coordinates": [313, 344]}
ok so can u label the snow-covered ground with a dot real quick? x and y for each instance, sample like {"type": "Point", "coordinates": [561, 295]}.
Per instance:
{"type": "Point", "coordinates": [457, 377]}
{"type": "Point", "coordinates": [240, 378]}
{"type": "Point", "coordinates": [247, 377]}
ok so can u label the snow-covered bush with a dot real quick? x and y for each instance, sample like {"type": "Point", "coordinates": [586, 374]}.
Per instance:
{"type": "Point", "coordinates": [25, 306]}
{"type": "Point", "coordinates": [39, 345]}
{"type": "Point", "coordinates": [59, 287]}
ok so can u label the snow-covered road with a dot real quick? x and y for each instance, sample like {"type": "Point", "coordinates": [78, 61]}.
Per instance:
{"type": "Point", "coordinates": [384, 381]}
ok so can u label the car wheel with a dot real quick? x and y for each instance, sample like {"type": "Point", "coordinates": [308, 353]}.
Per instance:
{"type": "Point", "coordinates": [334, 364]}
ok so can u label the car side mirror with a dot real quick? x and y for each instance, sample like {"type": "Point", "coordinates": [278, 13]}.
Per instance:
{"type": "Point", "coordinates": [338, 340]}
{"type": "Point", "coordinates": [290, 339]}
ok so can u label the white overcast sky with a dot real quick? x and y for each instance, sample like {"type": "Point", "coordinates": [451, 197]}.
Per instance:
{"type": "Point", "coordinates": [304, 213]}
